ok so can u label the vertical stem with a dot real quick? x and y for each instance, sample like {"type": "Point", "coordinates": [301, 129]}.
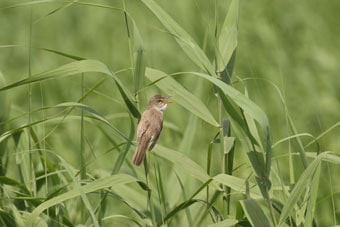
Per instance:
{"type": "Point", "coordinates": [82, 146]}
{"type": "Point", "coordinates": [44, 144]}
{"type": "Point", "coordinates": [161, 196]}
{"type": "Point", "coordinates": [128, 32]}
{"type": "Point", "coordinates": [32, 173]}
{"type": "Point", "coordinates": [223, 155]}
{"type": "Point", "coordinates": [332, 194]}
{"type": "Point", "coordinates": [129, 41]}
{"type": "Point", "coordinates": [82, 139]}
{"type": "Point", "coordinates": [291, 165]}
{"type": "Point", "coordinates": [223, 167]}
{"type": "Point", "coordinates": [220, 114]}
{"type": "Point", "coordinates": [230, 165]}
{"type": "Point", "coordinates": [269, 203]}
{"type": "Point", "coordinates": [216, 17]}
{"type": "Point", "coordinates": [266, 193]}
{"type": "Point", "coordinates": [128, 35]}
{"type": "Point", "coordinates": [150, 203]}
{"type": "Point", "coordinates": [208, 170]}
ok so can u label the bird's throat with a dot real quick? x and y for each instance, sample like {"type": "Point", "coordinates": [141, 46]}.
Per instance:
{"type": "Point", "coordinates": [163, 107]}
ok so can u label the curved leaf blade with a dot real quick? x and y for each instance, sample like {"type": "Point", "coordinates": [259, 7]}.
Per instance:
{"type": "Point", "coordinates": [248, 106]}
{"type": "Point", "coordinates": [304, 180]}
{"type": "Point", "coordinates": [107, 182]}
{"type": "Point", "coordinates": [187, 43]}
{"type": "Point", "coordinates": [227, 41]}
{"type": "Point", "coordinates": [225, 223]}
{"type": "Point", "coordinates": [254, 213]}
{"type": "Point", "coordinates": [237, 184]}
{"type": "Point", "coordinates": [79, 67]}
{"type": "Point", "coordinates": [187, 165]}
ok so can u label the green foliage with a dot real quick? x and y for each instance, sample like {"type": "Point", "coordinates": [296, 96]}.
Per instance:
{"type": "Point", "coordinates": [254, 213]}
{"type": "Point", "coordinates": [76, 76]}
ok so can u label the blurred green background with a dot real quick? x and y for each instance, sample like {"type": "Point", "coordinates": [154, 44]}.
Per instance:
{"type": "Point", "coordinates": [291, 44]}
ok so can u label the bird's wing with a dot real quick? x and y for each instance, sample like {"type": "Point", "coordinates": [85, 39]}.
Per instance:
{"type": "Point", "coordinates": [143, 125]}
{"type": "Point", "coordinates": [154, 140]}
{"type": "Point", "coordinates": [157, 130]}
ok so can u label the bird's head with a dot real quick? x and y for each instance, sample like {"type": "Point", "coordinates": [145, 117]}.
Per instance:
{"type": "Point", "coordinates": [159, 102]}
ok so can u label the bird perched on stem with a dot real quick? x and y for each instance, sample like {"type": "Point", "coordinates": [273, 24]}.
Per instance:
{"type": "Point", "coordinates": [150, 127]}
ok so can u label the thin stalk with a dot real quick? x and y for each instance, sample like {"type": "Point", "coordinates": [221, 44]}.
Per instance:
{"type": "Point", "coordinates": [220, 115]}
{"type": "Point", "coordinates": [209, 168]}
{"type": "Point", "coordinates": [199, 218]}
{"type": "Point", "coordinates": [128, 32]}
{"type": "Point", "coordinates": [287, 119]}
{"type": "Point", "coordinates": [299, 142]}
{"type": "Point", "coordinates": [150, 203]}
{"type": "Point", "coordinates": [118, 164]}
{"type": "Point", "coordinates": [216, 28]}
{"type": "Point", "coordinates": [223, 155]}
{"type": "Point", "coordinates": [291, 165]}
{"type": "Point", "coordinates": [32, 173]}
{"type": "Point", "coordinates": [332, 194]}
{"type": "Point", "coordinates": [82, 140]}
{"type": "Point", "coordinates": [160, 190]}
{"type": "Point", "coordinates": [129, 36]}
{"type": "Point", "coordinates": [223, 169]}
{"type": "Point", "coordinates": [266, 193]}
{"type": "Point", "coordinates": [187, 211]}
{"type": "Point", "coordinates": [44, 144]}
{"type": "Point", "coordinates": [82, 146]}
{"type": "Point", "coordinates": [269, 203]}
{"type": "Point", "coordinates": [229, 168]}
{"type": "Point", "coordinates": [133, 67]}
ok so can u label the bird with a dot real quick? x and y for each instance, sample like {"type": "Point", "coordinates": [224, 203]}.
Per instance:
{"type": "Point", "coordinates": [150, 127]}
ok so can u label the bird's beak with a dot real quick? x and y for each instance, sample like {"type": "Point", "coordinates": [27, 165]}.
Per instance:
{"type": "Point", "coordinates": [165, 98]}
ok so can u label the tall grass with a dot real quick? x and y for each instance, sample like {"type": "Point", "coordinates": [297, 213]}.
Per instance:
{"type": "Point", "coordinates": [67, 128]}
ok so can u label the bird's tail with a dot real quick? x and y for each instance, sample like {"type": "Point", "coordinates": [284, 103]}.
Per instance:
{"type": "Point", "coordinates": [139, 155]}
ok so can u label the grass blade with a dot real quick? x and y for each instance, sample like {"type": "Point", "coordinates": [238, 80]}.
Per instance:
{"type": "Point", "coordinates": [28, 3]}
{"type": "Point", "coordinates": [120, 160]}
{"type": "Point", "coordinates": [122, 217]}
{"type": "Point", "coordinates": [95, 114]}
{"type": "Point", "coordinates": [63, 71]}
{"type": "Point", "coordinates": [249, 107]}
{"type": "Point", "coordinates": [323, 134]}
{"type": "Point", "coordinates": [235, 116]}
{"type": "Point", "coordinates": [64, 54]}
{"type": "Point", "coordinates": [225, 223]}
{"type": "Point", "coordinates": [237, 184]}
{"type": "Point", "coordinates": [254, 213]}
{"type": "Point", "coordinates": [75, 68]}
{"type": "Point", "coordinates": [4, 114]}
{"type": "Point", "coordinates": [185, 204]}
{"type": "Point", "coordinates": [187, 211]}
{"type": "Point", "coordinates": [190, 47]}
{"type": "Point", "coordinates": [303, 181]}
{"type": "Point", "coordinates": [313, 197]}
{"type": "Point", "coordinates": [227, 40]}
{"type": "Point", "coordinates": [301, 149]}
{"type": "Point", "coordinates": [179, 159]}
{"type": "Point", "coordinates": [56, 10]}
{"type": "Point", "coordinates": [11, 182]}
{"type": "Point", "coordinates": [91, 187]}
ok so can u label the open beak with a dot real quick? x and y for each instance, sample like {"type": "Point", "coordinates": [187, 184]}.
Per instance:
{"type": "Point", "coordinates": [167, 97]}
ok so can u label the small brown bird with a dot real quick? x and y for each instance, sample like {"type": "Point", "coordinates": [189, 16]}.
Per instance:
{"type": "Point", "coordinates": [150, 126]}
